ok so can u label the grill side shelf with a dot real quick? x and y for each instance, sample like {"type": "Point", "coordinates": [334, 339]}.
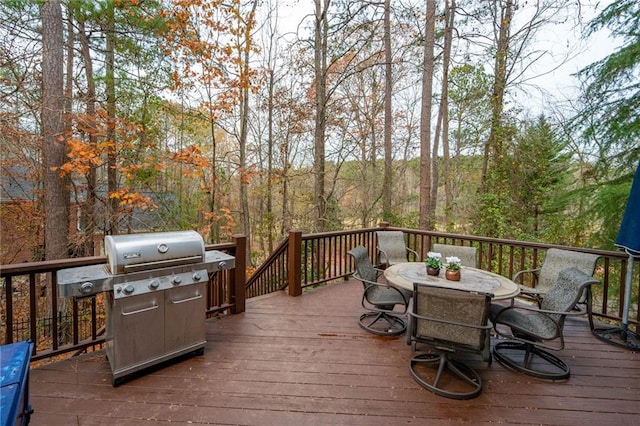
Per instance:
{"type": "Point", "coordinates": [74, 282]}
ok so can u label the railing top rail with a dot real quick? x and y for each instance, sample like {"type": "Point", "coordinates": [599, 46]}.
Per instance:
{"type": "Point", "coordinates": [533, 245]}
{"type": "Point", "coordinates": [12, 269]}
{"type": "Point", "coordinates": [328, 234]}
{"type": "Point", "coordinates": [49, 265]}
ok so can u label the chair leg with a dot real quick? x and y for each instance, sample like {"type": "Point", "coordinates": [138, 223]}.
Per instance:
{"type": "Point", "coordinates": [470, 383]}
{"type": "Point", "coordinates": [382, 324]}
{"type": "Point", "coordinates": [525, 362]}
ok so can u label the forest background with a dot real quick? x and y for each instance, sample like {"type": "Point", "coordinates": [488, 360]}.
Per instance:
{"type": "Point", "coordinates": [258, 117]}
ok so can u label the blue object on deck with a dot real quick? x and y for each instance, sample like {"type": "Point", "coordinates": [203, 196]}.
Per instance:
{"type": "Point", "coordinates": [14, 383]}
{"type": "Point", "coordinates": [629, 233]}
{"type": "Point", "coordinates": [628, 239]}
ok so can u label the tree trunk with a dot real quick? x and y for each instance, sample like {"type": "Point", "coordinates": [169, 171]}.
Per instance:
{"type": "Point", "coordinates": [110, 87]}
{"type": "Point", "coordinates": [320, 65]}
{"type": "Point", "coordinates": [493, 148]}
{"type": "Point", "coordinates": [214, 231]}
{"type": "Point", "coordinates": [90, 210]}
{"type": "Point", "coordinates": [285, 224]}
{"type": "Point", "coordinates": [387, 184]}
{"type": "Point", "coordinates": [77, 243]}
{"type": "Point", "coordinates": [244, 119]}
{"type": "Point", "coordinates": [270, 142]}
{"type": "Point", "coordinates": [444, 113]}
{"type": "Point", "coordinates": [426, 220]}
{"type": "Point", "coordinates": [56, 204]}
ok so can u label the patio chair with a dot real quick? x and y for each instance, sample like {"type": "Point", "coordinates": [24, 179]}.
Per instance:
{"type": "Point", "coordinates": [531, 330]}
{"type": "Point", "coordinates": [392, 249]}
{"type": "Point", "coordinates": [450, 321]}
{"type": "Point", "coordinates": [545, 276]}
{"type": "Point", "coordinates": [467, 255]}
{"type": "Point", "coordinates": [379, 299]}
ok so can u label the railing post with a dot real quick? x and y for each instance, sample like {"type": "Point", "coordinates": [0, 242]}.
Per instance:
{"type": "Point", "coordinates": [8, 288]}
{"type": "Point", "coordinates": [239, 274]}
{"type": "Point", "coordinates": [294, 267]}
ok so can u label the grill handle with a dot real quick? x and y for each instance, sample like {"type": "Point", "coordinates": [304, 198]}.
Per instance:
{"type": "Point", "coordinates": [189, 299]}
{"type": "Point", "coordinates": [139, 311]}
{"type": "Point", "coordinates": [161, 264]}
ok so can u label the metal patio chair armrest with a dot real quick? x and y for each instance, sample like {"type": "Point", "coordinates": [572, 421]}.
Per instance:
{"type": "Point", "coordinates": [382, 255]}
{"type": "Point", "coordinates": [535, 272]}
{"type": "Point", "coordinates": [413, 253]}
{"type": "Point", "coordinates": [576, 312]}
{"type": "Point", "coordinates": [410, 323]}
{"type": "Point", "coordinates": [379, 273]}
{"type": "Point", "coordinates": [527, 292]}
{"type": "Point", "coordinates": [427, 318]}
{"type": "Point", "coordinates": [371, 286]}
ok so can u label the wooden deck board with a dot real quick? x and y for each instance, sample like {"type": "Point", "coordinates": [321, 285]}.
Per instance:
{"type": "Point", "coordinates": [305, 361]}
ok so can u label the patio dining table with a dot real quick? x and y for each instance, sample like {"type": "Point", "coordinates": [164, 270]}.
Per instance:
{"type": "Point", "coordinates": [403, 275]}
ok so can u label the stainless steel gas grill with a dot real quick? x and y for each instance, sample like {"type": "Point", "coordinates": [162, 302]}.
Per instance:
{"type": "Point", "coordinates": [154, 287]}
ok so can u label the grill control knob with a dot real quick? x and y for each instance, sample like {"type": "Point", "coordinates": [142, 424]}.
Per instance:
{"type": "Point", "coordinates": [222, 264]}
{"type": "Point", "coordinates": [197, 276]}
{"type": "Point", "coordinates": [176, 280]}
{"type": "Point", "coordinates": [129, 288]}
{"type": "Point", "coordinates": [86, 287]}
{"type": "Point", "coordinates": [154, 284]}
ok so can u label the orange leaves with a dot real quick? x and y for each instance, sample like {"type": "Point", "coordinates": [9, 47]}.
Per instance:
{"type": "Point", "coordinates": [138, 170]}
{"type": "Point", "coordinates": [192, 156]}
{"type": "Point", "coordinates": [223, 218]}
{"type": "Point", "coordinates": [129, 200]}
{"type": "Point", "coordinates": [206, 40]}
{"type": "Point", "coordinates": [246, 175]}
{"type": "Point", "coordinates": [83, 156]}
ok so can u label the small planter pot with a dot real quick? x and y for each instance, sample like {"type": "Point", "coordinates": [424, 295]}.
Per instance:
{"type": "Point", "coordinates": [452, 275]}
{"type": "Point", "coordinates": [433, 271]}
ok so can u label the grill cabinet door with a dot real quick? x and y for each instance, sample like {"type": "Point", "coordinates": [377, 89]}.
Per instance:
{"type": "Point", "coordinates": [137, 330]}
{"type": "Point", "coordinates": [185, 317]}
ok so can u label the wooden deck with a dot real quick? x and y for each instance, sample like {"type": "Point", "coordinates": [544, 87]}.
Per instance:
{"type": "Point", "coordinates": [305, 361]}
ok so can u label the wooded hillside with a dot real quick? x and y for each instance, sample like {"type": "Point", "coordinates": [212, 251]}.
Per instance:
{"type": "Point", "coordinates": [255, 117]}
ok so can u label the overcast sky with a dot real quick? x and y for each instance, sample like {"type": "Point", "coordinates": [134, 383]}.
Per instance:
{"type": "Point", "coordinates": [551, 79]}
{"type": "Point", "coordinates": [566, 44]}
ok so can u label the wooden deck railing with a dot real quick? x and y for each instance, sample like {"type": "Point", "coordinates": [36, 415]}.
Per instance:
{"type": "Point", "coordinates": [32, 309]}
{"type": "Point", "coordinates": [306, 260]}
{"type": "Point", "coordinates": [29, 290]}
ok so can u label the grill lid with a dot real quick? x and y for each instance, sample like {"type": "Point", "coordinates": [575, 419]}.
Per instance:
{"type": "Point", "coordinates": [139, 252]}
{"type": "Point", "coordinates": [144, 258]}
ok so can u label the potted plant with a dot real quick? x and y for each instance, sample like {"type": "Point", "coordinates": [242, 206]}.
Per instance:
{"type": "Point", "coordinates": [452, 268]}
{"type": "Point", "coordinates": [433, 263]}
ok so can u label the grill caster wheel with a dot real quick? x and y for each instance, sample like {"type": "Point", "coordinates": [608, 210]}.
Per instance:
{"type": "Point", "coordinates": [198, 352]}
{"type": "Point", "coordinates": [117, 382]}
